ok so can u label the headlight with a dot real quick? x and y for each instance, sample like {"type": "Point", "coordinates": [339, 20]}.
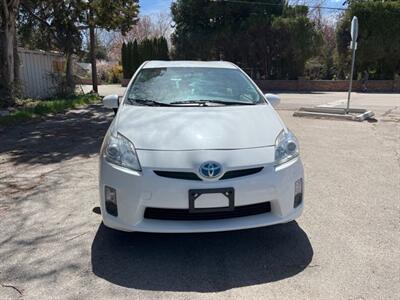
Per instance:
{"type": "Point", "coordinates": [286, 147]}
{"type": "Point", "coordinates": [120, 151]}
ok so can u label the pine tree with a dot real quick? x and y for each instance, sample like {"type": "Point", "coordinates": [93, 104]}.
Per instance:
{"type": "Point", "coordinates": [124, 60]}
{"type": "Point", "coordinates": [130, 59]}
{"type": "Point", "coordinates": [135, 57]}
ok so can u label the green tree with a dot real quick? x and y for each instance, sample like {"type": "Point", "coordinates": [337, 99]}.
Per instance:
{"type": "Point", "coordinates": [65, 20]}
{"type": "Point", "coordinates": [301, 42]}
{"type": "Point", "coordinates": [100, 52]}
{"type": "Point", "coordinates": [378, 49]}
{"type": "Point", "coordinates": [135, 56]}
{"type": "Point", "coordinates": [134, 53]}
{"type": "Point", "coordinates": [59, 22]}
{"type": "Point", "coordinates": [272, 41]}
{"type": "Point", "coordinates": [124, 59]}
{"type": "Point", "coordinates": [162, 49]}
{"type": "Point", "coordinates": [118, 15]}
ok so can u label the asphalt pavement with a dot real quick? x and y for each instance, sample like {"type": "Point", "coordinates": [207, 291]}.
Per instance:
{"type": "Point", "coordinates": [345, 245]}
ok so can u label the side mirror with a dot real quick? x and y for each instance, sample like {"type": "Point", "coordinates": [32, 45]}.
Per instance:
{"type": "Point", "coordinates": [273, 99]}
{"type": "Point", "coordinates": [111, 101]}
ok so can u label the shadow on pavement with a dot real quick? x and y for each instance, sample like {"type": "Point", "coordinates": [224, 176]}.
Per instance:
{"type": "Point", "coordinates": [57, 138]}
{"type": "Point", "coordinates": [208, 262]}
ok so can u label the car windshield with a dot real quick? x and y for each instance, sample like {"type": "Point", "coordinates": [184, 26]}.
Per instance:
{"type": "Point", "coordinates": [192, 86]}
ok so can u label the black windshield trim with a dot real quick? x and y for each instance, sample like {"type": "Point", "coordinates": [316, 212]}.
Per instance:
{"type": "Point", "coordinates": [147, 102]}
{"type": "Point", "coordinates": [205, 102]}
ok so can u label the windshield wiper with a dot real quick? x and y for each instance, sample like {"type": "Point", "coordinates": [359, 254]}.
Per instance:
{"type": "Point", "coordinates": [207, 102]}
{"type": "Point", "coordinates": [147, 102]}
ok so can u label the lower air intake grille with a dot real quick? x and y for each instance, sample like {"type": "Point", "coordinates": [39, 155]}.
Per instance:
{"type": "Point", "coordinates": [184, 215]}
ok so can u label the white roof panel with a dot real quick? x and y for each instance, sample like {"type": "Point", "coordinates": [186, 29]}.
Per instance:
{"type": "Point", "coordinates": [188, 64]}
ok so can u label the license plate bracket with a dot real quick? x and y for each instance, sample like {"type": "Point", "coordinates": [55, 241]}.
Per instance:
{"type": "Point", "coordinates": [196, 193]}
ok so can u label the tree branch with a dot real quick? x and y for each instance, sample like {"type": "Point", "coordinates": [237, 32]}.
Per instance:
{"type": "Point", "coordinates": [41, 20]}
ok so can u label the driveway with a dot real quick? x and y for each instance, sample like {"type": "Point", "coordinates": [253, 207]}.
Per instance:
{"type": "Point", "coordinates": [345, 246]}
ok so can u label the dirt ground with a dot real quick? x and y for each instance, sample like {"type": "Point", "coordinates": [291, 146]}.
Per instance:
{"type": "Point", "coordinates": [345, 245]}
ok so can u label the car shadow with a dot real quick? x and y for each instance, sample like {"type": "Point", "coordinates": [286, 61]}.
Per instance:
{"type": "Point", "coordinates": [206, 262]}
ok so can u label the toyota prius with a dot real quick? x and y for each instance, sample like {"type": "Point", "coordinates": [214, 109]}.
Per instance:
{"type": "Point", "coordinates": [197, 147]}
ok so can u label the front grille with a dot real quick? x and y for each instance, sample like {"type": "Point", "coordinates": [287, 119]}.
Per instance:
{"type": "Point", "coordinates": [194, 176]}
{"type": "Point", "coordinates": [240, 173]}
{"type": "Point", "coordinates": [178, 175]}
{"type": "Point", "coordinates": [184, 215]}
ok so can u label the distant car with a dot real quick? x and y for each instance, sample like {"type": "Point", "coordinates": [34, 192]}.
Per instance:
{"type": "Point", "coordinates": [196, 147]}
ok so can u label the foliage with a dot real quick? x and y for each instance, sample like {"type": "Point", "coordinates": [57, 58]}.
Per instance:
{"type": "Point", "coordinates": [32, 109]}
{"type": "Point", "coordinates": [118, 15]}
{"type": "Point", "coordinates": [58, 22]}
{"type": "Point", "coordinates": [59, 25]}
{"type": "Point", "coordinates": [100, 51]}
{"type": "Point", "coordinates": [133, 54]}
{"type": "Point", "coordinates": [274, 40]}
{"type": "Point", "coordinates": [301, 42]}
{"type": "Point", "coordinates": [110, 73]}
{"type": "Point", "coordinates": [38, 19]}
{"type": "Point", "coordinates": [323, 65]}
{"type": "Point", "coordinates": [51, 25]}
{"type": "Point", "coordinates": [378, 49]}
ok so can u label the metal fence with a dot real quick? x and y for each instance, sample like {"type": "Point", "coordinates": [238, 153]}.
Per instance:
{"type": "Point", "coordinates": [40, 72]}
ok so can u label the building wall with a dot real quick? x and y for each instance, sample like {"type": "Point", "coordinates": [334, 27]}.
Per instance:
{"type": "Point", "coordinates": [38, 72]}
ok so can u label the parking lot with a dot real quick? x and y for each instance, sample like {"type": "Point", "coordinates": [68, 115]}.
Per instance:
{"type": "Point", "coordinates": [345, 245]}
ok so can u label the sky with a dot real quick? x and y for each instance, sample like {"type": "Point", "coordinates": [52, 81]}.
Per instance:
{"type": "Point", "coordinates": [149, 7]}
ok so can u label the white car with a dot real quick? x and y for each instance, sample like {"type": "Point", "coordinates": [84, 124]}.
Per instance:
{"type": "Point", "coordinates": [196, 147]}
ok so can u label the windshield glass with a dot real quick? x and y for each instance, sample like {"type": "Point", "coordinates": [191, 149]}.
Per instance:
{"type": "Point", "coordinates": [180, 85]}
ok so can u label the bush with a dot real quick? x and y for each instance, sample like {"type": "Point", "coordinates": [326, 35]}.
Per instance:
{"type": "Point", "coordinates": [115, 75]}
{"type": "Point", "coordinates": [110, 73]}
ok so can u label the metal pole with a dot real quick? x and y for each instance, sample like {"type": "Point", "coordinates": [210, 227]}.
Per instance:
{"type": "Point", "coordinates": [351, 76]}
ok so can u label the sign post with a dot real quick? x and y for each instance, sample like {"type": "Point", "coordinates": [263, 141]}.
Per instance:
{"type": "Point", "coordinates": [354, 35]}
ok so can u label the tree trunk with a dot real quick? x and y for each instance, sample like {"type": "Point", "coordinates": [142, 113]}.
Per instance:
{"type": "Point", "coordinates": [70, 86]}
{"type": "Point", "coordinates": [16, 59]}
{"type": "Point", "coordinates": [8, 66]}
{"type": "Point", "coordinates": [93, 59]}
{"type": "Point", "coordinates": [17, 83]}
{"type": "Point", "coordinates": [92, 51]}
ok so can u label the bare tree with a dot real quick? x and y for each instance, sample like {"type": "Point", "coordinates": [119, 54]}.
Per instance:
{"type": "Point", "coordinates": [147, 27]}
{"type": "Point", "coordinates": [162, 25]}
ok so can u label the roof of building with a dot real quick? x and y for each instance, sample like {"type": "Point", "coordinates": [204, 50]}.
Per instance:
{"type": "Point", "coordinates": [188, 63]}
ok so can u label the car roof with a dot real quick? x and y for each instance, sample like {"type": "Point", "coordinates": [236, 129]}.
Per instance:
{"type": "Point", "coordinates": [188, 64]}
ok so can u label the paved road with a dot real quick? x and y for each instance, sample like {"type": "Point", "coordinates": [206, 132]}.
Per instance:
{"type": "Point", "coordinates": [345, 246]}
{"type": "Point", "coordinates": [379, 103]}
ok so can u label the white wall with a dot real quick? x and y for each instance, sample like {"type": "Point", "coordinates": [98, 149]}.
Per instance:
{"type": "Point", "coordinates": [35, 73]}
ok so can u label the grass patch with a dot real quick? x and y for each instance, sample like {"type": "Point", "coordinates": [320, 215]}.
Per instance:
{"type": "Point", "coordinates": [29, 109]}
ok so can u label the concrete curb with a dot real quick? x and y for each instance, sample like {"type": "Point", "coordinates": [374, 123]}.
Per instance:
{"type": "Point", "coordinates": [354, 114]}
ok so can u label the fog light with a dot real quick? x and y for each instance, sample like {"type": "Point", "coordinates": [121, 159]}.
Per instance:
{"type": "Point", "coordinates": [298, 192]}
{"type": "Point", "coordinates": [110, 195]}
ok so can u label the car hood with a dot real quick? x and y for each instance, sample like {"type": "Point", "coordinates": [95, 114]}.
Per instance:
{"type": "Point", "coordinates": [199, 128]}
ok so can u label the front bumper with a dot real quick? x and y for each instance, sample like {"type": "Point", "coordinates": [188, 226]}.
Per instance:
{"type": "Point", "coordinates": [138, 190]}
